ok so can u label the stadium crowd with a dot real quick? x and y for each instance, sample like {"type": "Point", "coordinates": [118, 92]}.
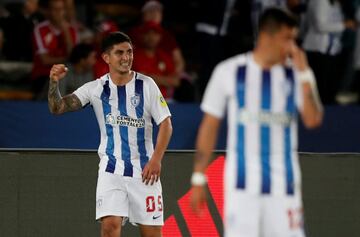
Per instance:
{"type": "Point", "coordinates": [178, 43]}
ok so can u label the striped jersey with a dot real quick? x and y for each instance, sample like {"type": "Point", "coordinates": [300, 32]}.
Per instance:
{"type": "Point", "coordinates": [125, 114]}
{"type": "Point", "coordinates": [262, 110]}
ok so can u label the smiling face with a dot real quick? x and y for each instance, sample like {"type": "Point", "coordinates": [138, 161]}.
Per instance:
{"type": "Point", "coordinates": [119, 58]}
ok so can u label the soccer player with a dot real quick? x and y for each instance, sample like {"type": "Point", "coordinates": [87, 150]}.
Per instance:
{"type": "Point", "coordinates": [263, 91]}
{"type": "Point", "coordinates": [125, 102]}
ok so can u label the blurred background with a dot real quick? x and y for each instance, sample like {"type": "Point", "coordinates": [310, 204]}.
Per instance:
{"type": "Point", "coordinates": [178, 43]}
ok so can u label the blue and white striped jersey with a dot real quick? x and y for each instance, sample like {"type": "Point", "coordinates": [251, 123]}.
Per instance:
{"type": "Point", "coordinates": [124, 114]}
{"type": "Point", "coordinates": [262, 110]}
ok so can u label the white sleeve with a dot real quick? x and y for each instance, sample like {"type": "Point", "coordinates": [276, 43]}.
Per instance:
{"type": "Point", "coordinates": [83, 93]}
{"type": "Point", "coordinates": [159, 109]}
{"type": "Point", "coordinates": [214, 100]}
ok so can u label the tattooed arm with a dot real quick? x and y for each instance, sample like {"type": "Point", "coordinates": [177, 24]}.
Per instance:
{"type": "Point", "coordinates": [58, 104]}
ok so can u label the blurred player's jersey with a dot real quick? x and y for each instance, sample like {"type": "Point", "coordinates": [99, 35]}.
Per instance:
{"type": "Point", "coordinates": [262, 110]}
{"type": "Point", "coordinates": [124, 115]}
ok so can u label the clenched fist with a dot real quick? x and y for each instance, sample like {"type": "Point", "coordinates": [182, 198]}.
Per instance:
{"type": "Point", "coordinates": [58, 72]}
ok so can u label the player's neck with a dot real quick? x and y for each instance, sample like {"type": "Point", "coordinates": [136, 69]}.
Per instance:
{"type": "Point", "coordinates": [121, 79]}
{"type": "Point", "coordinates": [263, 57]}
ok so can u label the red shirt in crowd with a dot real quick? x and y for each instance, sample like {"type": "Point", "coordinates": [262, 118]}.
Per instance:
{"type": "Point", "coordinates": [161, 64]}
{"type": "Point", "coordinates": [49, 40]}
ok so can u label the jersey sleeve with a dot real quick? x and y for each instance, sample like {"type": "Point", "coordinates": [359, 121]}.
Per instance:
{"type": "Point", "coordinates": [158, 107]}
{"type": "Point", "coordinates": [83, 93]}
{"type": "Point", "coordinates": [214, 100]}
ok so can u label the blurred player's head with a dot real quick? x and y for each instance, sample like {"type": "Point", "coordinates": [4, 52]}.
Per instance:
{"type": "Point", "coordinates": [278, 30]}
{"type": "Point", "coordinates": [117, 52]}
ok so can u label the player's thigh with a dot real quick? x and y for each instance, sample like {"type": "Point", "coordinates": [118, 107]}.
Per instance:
{"type": "Point", "coordinates": [283, 217]}
{"type": "Point", "coordinates": [150, 231]}
{"type": "Point", "coordinates": [145, 203]}
{"type": "Point", "coordinates": [242, 214]}
{"type": "Point", "coordinates": [111, 196]}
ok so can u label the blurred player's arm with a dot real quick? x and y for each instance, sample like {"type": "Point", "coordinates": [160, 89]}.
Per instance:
{"type": "Point", "coordinates": [152, 169]}
{"type": "Point", "coordinates": [312, 109]}
{"type": "Point", "coordinates": [205, 144]}
{"type": "Point", "coordinates": [57, 103]}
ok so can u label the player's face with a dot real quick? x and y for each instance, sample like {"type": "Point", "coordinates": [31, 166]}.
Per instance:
{"type": "Point", "coordinates": [120, 57]}
{"type": "Point", "coordinates": [283, 42]}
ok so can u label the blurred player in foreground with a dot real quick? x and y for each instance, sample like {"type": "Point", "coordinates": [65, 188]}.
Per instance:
{"type": "Point", "coordinates": [124, 102]}
{"type": "Point", "coordinates": [263, 91]}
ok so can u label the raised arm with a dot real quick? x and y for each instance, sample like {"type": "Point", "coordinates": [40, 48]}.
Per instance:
{"type": "Point", "coordinates": [57, 103]}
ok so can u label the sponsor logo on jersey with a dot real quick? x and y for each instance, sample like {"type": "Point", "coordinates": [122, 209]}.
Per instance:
{"type": "Point", "coordinates": [135, 100]}
{"type": "Point", "coordinates": [162, 101]}
{"type": "Point", "coordinates": [127, 121]}
{"type": "Point", "coordinates": [265, 117]}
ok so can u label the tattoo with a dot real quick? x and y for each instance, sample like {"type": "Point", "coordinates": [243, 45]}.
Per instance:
{"type": "Point", "coordinates": [60, 105]}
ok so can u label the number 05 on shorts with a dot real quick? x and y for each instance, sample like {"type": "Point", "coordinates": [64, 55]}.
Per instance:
{"type": "Point", "coordinates": [117, 195]}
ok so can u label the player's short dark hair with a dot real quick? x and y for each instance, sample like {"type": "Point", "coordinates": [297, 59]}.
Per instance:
{"type": "Point", "coordinates": [80, 51]}
{"type": "Point", "coordinates": [113, 38]}
{"type": "Point", "coordinates": [272, 19]}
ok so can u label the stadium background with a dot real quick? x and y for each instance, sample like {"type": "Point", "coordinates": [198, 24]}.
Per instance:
{"type": "Point", "coordinates": [51, 192]}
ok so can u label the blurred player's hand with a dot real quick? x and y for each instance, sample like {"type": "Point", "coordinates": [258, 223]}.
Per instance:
{"type": "Point", "coordinates": [58, 72]}
{"type": "Point", "coordinates": [198, 198]}
{"type": "Point", "coordinates": [152, 171]}
{"type": "Point", "coordinates": [299, 58]}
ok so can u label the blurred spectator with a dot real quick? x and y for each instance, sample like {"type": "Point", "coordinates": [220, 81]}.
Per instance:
{"type": "Point", "coordinates": [1, 43]}
{"type": "Point", "coordinates": [54, 40]}
{"type": "Point", "coordinates": [18, 27]}
{"type": "Point", "coordinates": [81, 62]}
{"type": "Point", "coordinates": [351, 88]}
{"type": "Point", "coordinates": [103, 28]}
{"type": "Point", "coordinates": [223, 29]}
{"type": "Point", "coordinates": [152, 60]}
{"type": "Point", "coordinates": [152, 11]}
{"type": "Point", "coordinates": [323, 45]}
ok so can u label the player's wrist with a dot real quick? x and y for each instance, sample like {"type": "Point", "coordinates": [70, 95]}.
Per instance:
{"type": "Point", "coordinates": [307, 76]}
{"type": "Point", "coordinates": [198, 179]}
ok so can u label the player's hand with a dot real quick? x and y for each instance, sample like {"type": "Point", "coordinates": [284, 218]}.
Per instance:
{"type": "Point", "coordinates": [198, 198]}
{"type": "Point", "coordinates": [151, 172]}
{"type": "Point", "coordinates": [299, 58]}
{"type": "Point", "coordinates": [58, 72]}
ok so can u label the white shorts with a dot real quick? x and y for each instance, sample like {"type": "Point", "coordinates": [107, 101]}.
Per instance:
{"type": "Point", "coordinates": [129, 197]}
{"type": "Point", "coordinates": [248, 215]}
